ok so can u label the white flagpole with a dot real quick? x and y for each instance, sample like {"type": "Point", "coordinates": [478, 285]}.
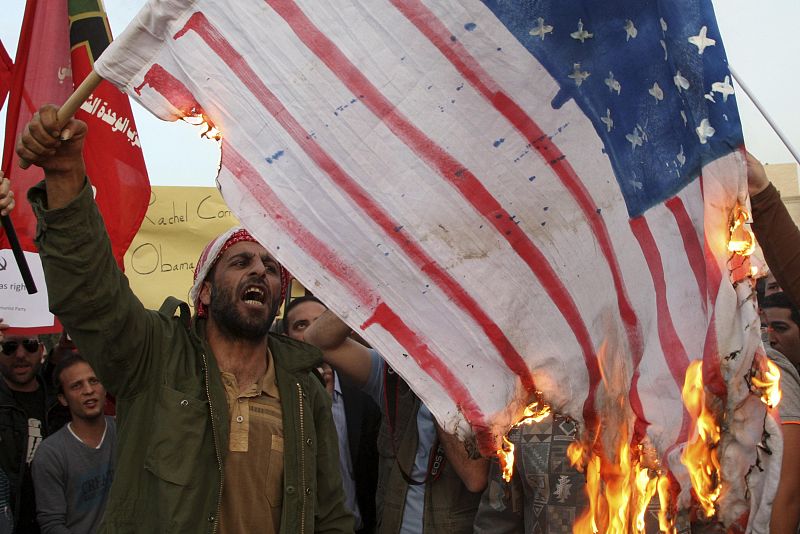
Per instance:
{"type": "Point", "coordinates": [764, 113]}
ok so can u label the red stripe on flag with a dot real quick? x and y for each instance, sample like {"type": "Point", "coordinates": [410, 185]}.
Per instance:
{"type": "Point", "coordinates": [671, 347]}
{"type": "Point", "coordinates": [712, 370]}
{"type": "Point", "coordinates": [171, 89]}
{"type": "Point", "coordinates": [383, 315]}
{"type": "Point", "coordinates": [200, 24]}
{"type": "Point", "coordinates": [470, 188]}
{"type": "Point", "coordinates": [641, 423]}
{"type": "Point", "coordinates": [691, 244]}
{"type": "Point", "coordinates": [712, 364]}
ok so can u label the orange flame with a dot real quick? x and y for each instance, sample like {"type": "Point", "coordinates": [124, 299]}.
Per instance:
{"type": "Point", "coordinates": [534, 412]}
{"type": "Point", "coordinates": [742, 240]}
{"type": "Point", "coordinates": [621, 478]}
{"type": "Point", "coordinates": [506, 457]}
{"type": "Point", "coordinates": [768, 382]}
{"type": "Point", "coordinates": [646, 486]}
{"type": "Point", "coordinates": [664, 522]}
{"type": "Point", "coordinates": [701, 456]}
{"type": "Point", "coordinates": [588, 521]}
{"type": "Point", "coordinates": [211, 131]}
{"type": "Point", "coordinates": [619, 490]}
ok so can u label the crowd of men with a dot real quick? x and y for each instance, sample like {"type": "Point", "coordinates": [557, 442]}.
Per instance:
{"type": "Point", "coordinates": [223, 425]}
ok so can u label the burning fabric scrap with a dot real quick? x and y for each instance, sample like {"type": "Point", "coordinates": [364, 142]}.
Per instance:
{"type": "Point", "coordinates": [515, 203]}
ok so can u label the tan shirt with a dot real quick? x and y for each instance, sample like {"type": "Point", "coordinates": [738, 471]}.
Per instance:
{"type": "Point", "coordinates": [252, 490]}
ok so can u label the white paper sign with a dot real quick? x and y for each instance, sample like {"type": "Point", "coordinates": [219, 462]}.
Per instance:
{"type": "Point", "coordinates": [17, 307]}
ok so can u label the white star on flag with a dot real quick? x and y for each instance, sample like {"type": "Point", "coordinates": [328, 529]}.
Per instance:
{"type": "Point", "coordinates": [724, 88]}
{"type": "Point", "coordinates": [581, 34]}
{"type": "Point", "coordinates": [542, 29]}
{"type": "Point", "coordinates": [704, 131]}
{"type": "Point", "coordinates": [701, 41]}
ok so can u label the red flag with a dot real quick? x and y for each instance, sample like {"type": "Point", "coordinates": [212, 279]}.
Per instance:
{"type": "Point", "coordinates": [5, 74]}
{"type": "Point", "coordinates": [114, 160]}
{"type": "Point", "coordinates": [42, 73]}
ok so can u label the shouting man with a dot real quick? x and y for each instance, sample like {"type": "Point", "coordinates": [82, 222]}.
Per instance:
{"type": "Point", "coordinates": [223, 427]}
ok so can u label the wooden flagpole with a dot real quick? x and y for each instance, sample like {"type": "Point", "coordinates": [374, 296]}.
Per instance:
{"type": "Point", "coordinates": [87, 86]}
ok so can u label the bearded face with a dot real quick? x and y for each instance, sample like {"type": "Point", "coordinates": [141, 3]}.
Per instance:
{"type": "Point", "coordinates": [20, 361]}
{"type": "Point", "coordinates": [234, 321]}
{"type": "Point", "coordinates": [244, 295]}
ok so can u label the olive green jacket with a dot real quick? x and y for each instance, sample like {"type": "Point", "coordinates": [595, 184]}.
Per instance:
{"type": "Point", "coordinates": [172, 414]}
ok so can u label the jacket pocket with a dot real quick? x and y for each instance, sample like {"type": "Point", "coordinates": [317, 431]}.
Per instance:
{"type": "Point", "coordinates": [177, 436]}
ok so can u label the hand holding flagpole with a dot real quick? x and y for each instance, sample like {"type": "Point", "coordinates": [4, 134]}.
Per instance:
{"type": "Point", "coordinates": [66, 111]}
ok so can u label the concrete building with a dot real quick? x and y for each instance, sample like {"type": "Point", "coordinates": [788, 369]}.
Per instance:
{"type": "Point", "coordinates": [785, 177]}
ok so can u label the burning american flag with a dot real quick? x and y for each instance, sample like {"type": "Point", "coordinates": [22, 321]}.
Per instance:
{"type": "Point", "coordinates": [510, 200]}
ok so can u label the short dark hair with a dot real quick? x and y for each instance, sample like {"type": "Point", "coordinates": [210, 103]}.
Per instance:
{"type": "Point", "coordinates": [782, 300]}
{"type": "Point", "coordinates": [68, 361]}
{"type": "Point", "coordinates": [292, 305]}
{"type": "Point", "coordinates": [761, 287]}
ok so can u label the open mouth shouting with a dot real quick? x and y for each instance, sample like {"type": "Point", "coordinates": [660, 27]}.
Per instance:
{"type": "Point", "coordinates": [254, 295]}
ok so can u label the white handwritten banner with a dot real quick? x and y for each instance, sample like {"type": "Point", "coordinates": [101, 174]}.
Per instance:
{"type": "Point", "coordinates": [17, 307]}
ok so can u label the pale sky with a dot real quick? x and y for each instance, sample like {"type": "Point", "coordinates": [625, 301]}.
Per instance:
{"type": "Point", "coordinates": [759, 38]}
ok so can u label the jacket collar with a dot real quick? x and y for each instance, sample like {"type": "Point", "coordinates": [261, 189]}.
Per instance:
{"type": "Point", "coordinates": [288, 354]}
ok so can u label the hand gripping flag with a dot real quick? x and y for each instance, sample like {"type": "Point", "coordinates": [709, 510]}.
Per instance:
{"type": "Point", "coordinates": [505, 198]}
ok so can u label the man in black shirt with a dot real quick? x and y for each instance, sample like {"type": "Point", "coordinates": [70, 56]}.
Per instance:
{"type": "Point", "coordinates": [27, 415]}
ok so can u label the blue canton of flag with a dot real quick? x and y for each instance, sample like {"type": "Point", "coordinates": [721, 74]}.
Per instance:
{"type": "Point", "coordinates": [651, 76]}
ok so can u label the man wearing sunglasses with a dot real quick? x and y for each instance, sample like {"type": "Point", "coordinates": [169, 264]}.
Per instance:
{"type": "Point", "coordinates": [28, 413]}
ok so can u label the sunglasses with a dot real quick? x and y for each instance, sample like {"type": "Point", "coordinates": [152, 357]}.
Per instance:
{"type": "Point", "coordinates": [10, 347]}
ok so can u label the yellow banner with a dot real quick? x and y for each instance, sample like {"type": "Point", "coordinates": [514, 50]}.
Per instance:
{"type": "Point", "coordinates": [179, 222]}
